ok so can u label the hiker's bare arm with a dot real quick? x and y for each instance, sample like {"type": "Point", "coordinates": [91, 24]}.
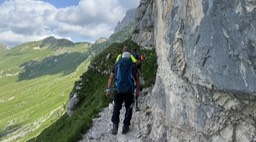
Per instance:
{"type": "Point", "coordinates": [137, 84]}
{"type": "Point", "coordinates": [110, 81]}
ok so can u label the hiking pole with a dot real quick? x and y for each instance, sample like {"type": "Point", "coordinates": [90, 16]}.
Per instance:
{"type": "Point", "coordinates": [130, 108]}
{"type": "Point", "coordinates": [136, 103]}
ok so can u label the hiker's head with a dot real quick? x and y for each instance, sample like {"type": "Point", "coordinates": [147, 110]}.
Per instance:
{"type": "Point", "coordinates": [125, 49]}
{"type": "Point", "coordinates": [134, 50]}
{"type": "Point", "coordinates": [126, 53]}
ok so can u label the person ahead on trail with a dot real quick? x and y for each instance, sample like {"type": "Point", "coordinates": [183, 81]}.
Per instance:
{"type": "Point", "coordinates": [127, 53]}
{"type": "Point", "coordinates": [136, 53]}
{"type": "Point", "coordinates": [125, 75]}
{"type": "Point", "coordinates": [137, 56]}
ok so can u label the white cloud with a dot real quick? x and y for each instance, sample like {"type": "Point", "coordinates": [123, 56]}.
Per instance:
{"type": "Point", "coordinates": [25, 20]}
{"type": "Point", "coordinates": [90, 12]}
{"type": "Point", "coordinates": [28, 20]}
{"type": "Point", "coordinates": [14, 38]}
{"type": "Point", "coordinates": [88, 31]}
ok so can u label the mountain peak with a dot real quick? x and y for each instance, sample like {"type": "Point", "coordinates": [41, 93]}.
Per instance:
{"type": "Point", "coordinates": [53, 42]}
{"type": "Point", "coordinates": [50, 38]}
{"type": "Point", "coordinates": [101, 40]}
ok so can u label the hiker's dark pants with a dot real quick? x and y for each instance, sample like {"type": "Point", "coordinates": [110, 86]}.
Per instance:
{"type": "Point", "coordinates": [119, 99]}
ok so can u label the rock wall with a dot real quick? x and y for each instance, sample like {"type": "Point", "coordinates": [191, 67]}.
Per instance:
{"type": "Point", "coordinates": [145, 18]}
{"type": "Point", "coordinates": [206, 82]}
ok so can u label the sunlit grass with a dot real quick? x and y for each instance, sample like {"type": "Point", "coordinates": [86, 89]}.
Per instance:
{"type": "Point", "coordinates": [29, 106]}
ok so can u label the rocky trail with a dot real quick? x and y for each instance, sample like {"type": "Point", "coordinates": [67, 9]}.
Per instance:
{"type": "Point", "coordinates": [140, 123]}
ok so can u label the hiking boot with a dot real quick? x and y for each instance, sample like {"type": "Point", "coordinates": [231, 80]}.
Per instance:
{"type": "Point", "coordinates": [125, 129]}
{"type": "Point", "coordinates": [115, 129]}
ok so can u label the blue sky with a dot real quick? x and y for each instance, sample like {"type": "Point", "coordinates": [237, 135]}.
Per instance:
{"type": "Point", "coordinates": [77, 20]}
{"type": "Point", "coordinates": [62, 3]}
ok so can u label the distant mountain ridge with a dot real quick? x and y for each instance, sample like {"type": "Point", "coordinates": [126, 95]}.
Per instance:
{"type": "Point", "coordinates": [128, 19]}
{"type": "Point", "coordinates": [101, 40]}
{"type": "Point", "coordinates": [54, 43]}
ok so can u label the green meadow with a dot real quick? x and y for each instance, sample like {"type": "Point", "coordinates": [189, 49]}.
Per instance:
{"type": "Point", "coordinates": [34, 86]}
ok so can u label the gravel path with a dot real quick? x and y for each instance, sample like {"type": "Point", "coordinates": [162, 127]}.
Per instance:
{"type": "Point", "coordinates": [139, 128]}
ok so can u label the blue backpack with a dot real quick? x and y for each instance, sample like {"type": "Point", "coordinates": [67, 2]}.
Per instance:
{"type": "Point", "coordinates": [125, 75]}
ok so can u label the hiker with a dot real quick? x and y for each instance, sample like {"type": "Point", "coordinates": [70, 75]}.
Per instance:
{"type": "Point", "coordinates": [139, 57]}
{"type": "Point", "coordinates": [124, 89]}
{"type": "Point", "coordinates": [135, 53]}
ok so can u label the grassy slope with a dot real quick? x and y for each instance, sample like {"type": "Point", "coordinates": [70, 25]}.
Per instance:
{"type": "Point", "coordinates": [68, 129]}
{"type": "Point", "coordinates": [30, 104]}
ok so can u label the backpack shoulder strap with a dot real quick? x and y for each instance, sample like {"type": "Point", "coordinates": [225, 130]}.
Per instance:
{"type": "Point", "coordinates": [118, 57]}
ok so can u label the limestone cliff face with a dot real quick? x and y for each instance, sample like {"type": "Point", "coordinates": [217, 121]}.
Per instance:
{"type": "Point", "coordinates": [145, 17]}
{"type": "Point", "coordinates": [206, 80]}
